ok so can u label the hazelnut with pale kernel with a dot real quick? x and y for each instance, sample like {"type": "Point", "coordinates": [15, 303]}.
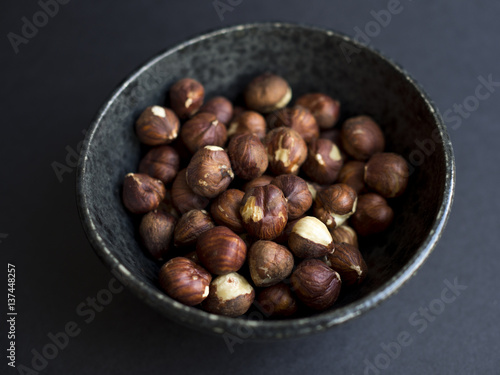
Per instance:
{"type": "Point", "coordinates": [190, 226]}
{"type": "Point", "coordinates": [142, 193]}
{"type": "Point", "coordinates": [230, 295]}
{"type": "Point", "coordinates": [316, 284]}
{"type": "Point", "coordinates": [345, 234]}
{"type": "Point", "coordinates": [221, 107]}
{"type": "Point", "coordinates": [248, 156]}
{"type": "Point", "coordinates": [348, 262]}
{"type": "Point", "coordinates": [373, 215]}
{"type": "Point", "coordinates": [225, 210]}
{"type": "Point", "coordinates": [362, 137]}
{"type": "Point", "coordinates": [269, 263]}
{"type": "Point", "coordinates": [186, 97]}
{"type": "Point", "coordinates": [156, 231]}
{"type": "Point", "coordinates": [297, 118]}
{"type": "Point", "coordinates": [267, 92]}
{"type": "Point", "coordinates": [264, 212]}
{"type": "Point", "coordinates": [325, 110]}
{"type": "Point", "coordinates": [310, 238]}
{"type": "Point", "coordinates": [334, 205]}
{"type": "Point", "coordinates": [161, 162]}
{"type": "Point", "coordinates": [323, 162]}
{"type": "Point", "coordinates": [209, 172]}
{"type": "Point", "coordinates": [277, 301]}
{"type": "Point", "coordinates": [248, 122]}
{"type": "Point", "coordinates": [157, 125]}
{"type": "Point", "coordinates": [387, 173]}
{"type": "Point", "coordinates": [297, 194]}
{"type": "Point", "coordinates": [286, 151]}
{"type": "Point", "coordinates": [353, 174]}
{"type": "Point", "coordinates": [185, 281]}
{"type": "Point", "coordinates": [202, 130]}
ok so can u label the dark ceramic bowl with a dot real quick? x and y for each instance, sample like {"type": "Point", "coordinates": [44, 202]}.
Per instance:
{"type": "Point", "coordinates": [310, 59]}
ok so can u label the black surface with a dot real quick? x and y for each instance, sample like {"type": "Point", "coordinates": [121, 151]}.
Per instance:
{"type": "Point", "coordinates": [50, 92]}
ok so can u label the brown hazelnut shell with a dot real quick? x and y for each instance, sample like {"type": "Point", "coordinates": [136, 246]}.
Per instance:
{"type": "Point", "coordinates": [161, 162]}
{"type": "Point", "coordinates": [269, 263]}
{"type": "Point", "coordinates": [156, 231]}
{"type": "Point", "coordinates": [348, 262]}
{"type": "Point", "coordinates": [248, 156]}
{"type": "Point", "coordinates": [387, 173]}
{"type": "Point", "coordinates": [225, 210]}
{"type": "Point", "coordinates": [345, 234]}
{"type": "Point", "coordinates": [248, 122]}
{"type": "Point", "coordinates": [373, 215]}
{"type": "Point", "coordinates": [334, 205]}
{"type": "Point", "coordinates": [325, 110]}
{"type": "Point", "coordinates": [296, 191]}
{"type": "Point", "coordinates": [277, 301]}
{"type": "Point", "coordinates": [142, 193]}
{"type": "Point", "coordinates": [297, 118]}
{"type": "Point", "coordinates": [202, 130]}
{"type": "Point", "coordinates": [184, 198]}
{"type": "Point", "coordinates": [157, 125]}
{"type": "Point", "coordinates": [259, 181]}
{"type": "Point", "coordinates": [353, 174]}
{"type": "Point", "coordinates": [286, 151]}
{"type": "Point", "coordinates": [362, 137]}
{"type": "Point", "coordinates": [267, 92]}
{"type": "Point", "coordinates": [221, 107]}
{"type": "Point", "coordinates": [186, 97]}
{"type": "Point", "coordinates": [323, 162]}
{"type": "Point", "coordinates": [190, 226]}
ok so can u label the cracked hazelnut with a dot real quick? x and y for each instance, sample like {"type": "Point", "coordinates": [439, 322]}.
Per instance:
{"type": "Point", "coordinates": [259, 181]}
{"type": "Point", "coordinates": [267, 93]}
{"type": "Point", "coordinates": [190, 226]}
{"type": "Point", "coordinates": [269, 263]}
{"type": "Point", "coordinates": [297, 118]}
{"type": "Point", "coordinates": [142, 193]}
{"type": "Point", "coordinates": [185, 281]}
{"type": "Point", "coordinates": [225, 210]}
{"type": "Point", "coordinates": [186, 97]}
{"type": "Point", "coordinates": [248, 122]}
{"type": "Point", "coordinates": [209, 172]}
{"type": "Point", "coordinates": [202, 130]}
{"type": "Point", "coordinates": [353, 174]}
{"type": "Point", "coordinates": [156, 231]}
{"type": "Point", "coordinates": [345, 234]}
{"type": "Point", "coordinates": [348, 262]}
{"type": "Point", "coordinates": [387, 173]}
{"type": "Point", "coordinates": [230, 295]}
{"type": "Point", "coordinates": [323, 162]}
{"type": "Point", "coordinates": [277, 301]}
{"type": "Point", "coordinates": [325, 110]}
{"type": "Point", "coordinates": [286, 151]}
{"type": "Point", "coordinates": [296, 191]}
{"type": "Point", "coordinates": [362, 137]}
{"type": "Point", "coordinates": [310, 238]}
{"type": "Point", "coordinates": [220, 107]}
{"type": "Point", "coordinates": [316, 284]}
{"type": "Point", "coordinates": [157, 125]}
{"type": "Point", "coordinates": [221, 250]}
{"type": "Point", "coordinates": [161, 162]}
{"type": "Point", "coordinates": [264, 212]}
{"type": "Point", "coordinates": [183, 198]}
{"type": "Point", "coordinates": [373, 215]}
{"type": "Point", "coordinates": [248, 156]}
{"type": "Point", "coordinates": [334, 205]}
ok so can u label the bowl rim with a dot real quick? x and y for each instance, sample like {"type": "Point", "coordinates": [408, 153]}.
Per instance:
{"type": "Point", "coordinates": [300, 326]}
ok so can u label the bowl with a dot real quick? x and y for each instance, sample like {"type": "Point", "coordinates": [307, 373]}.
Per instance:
{"type": "Point", "coordinates": [311, 59]}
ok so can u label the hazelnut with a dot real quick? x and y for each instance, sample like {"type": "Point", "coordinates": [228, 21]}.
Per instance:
{"type": "Point", "coordinates": [156, 231]}
{"type": "Point", "coordinates": [190, 226]}
{"type": "Point", "coordinates": [221, 251]}
{"type": "Point", "coordinates": [230, 295]}
{"type": "Point", "coordinates": [314, 188]}
{"type": "Point", "coordinates": [345, 234]}
{"type": "Point", "coordinates": [316, 284]}
{"type": "Point", "coordinates": [277, 301]}
{"type": "Point", "coordinates": [362, 137]}
{"type": "Point", "coordinates": [183, 198]}
{"type": "Point", "coordinates": [296, 118]}
{"type": "Point", "coordinates": [225, 210]}
{"type": "Point", "coordinates": [286, 151]}
{"type": "Point", "coordinates": [185, 281]}
{"type": "Point", "coordinates": [161, 162]}
{"type": "Point", "coordinates": [269, 263]}
{"type": "Point", "coordinates": [248, 156]}
{"type": "Point", "coordinates": [142, 193]}
{"type": "Point", "coordinates": [353, 174]}
{"type": "Point", "coordinates": [296, 191]}
{"type": "Point", "coordinates": [248, 122]}
{"type": "Point", "coordinates": [209, 173]}
{"type": "Point", "coordinates": [323, 162]}
{"type": "Point", "coordinates": [334, 205]}
{"type": "Point", "coordinates": [167, 206]}
{"type": "Point", "coordinates": [373, 215]}
{"type": "Point", "coordinates": [267, 93]}
{"type": "Point", "coordinates": [264, 212]}
{"type": "Point", "coordinates": [325, 110]}
{"type": "Point", "coordinates": [157, 125]}
{"type": "Point", "coordinates": [310, 238]}
{"type": "Point", "coordinates": [186, 97]}
{"type": "Point", "coordinates": [283, 237]}
{"type": "Point", "coordinates": [259, 181]}
{"type": "Point", "coordinates": [348, 262]}
{"type": "Point", "coordinates": [220, 107]}
{"type": "Point", "coordinates": [387, 173]}
{"type": "Point", "coordinates": [193, 257]}
{"type": "Point", "coordinates": [202, 130]}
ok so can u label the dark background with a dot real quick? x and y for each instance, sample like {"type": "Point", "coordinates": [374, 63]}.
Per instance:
{"type": "Point", "coordinates": [52, 88]}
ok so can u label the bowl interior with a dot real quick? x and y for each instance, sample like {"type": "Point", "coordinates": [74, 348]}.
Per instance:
{"type": "Point", "coordinates": [311, 60]}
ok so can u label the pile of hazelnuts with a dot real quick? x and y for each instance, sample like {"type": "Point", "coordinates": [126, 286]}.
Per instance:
{"type": "Point", "coordinates": [224, 205]}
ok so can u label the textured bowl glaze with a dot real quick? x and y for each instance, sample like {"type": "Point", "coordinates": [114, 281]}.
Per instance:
{"type": "Point", "coordinates": [310, 59]}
